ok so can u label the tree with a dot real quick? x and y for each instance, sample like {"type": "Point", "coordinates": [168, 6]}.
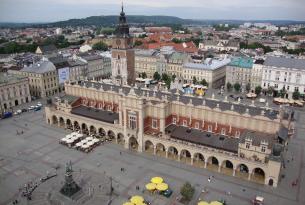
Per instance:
{"type": "Point", "coordinates": [248, 87]}
{"type": "Point", "coordinates": [175, 40]}
{"type": "Point", "coordinates": [296, 95]}
{"type": "Point", "coordinates": [237, 87]}
{"type": "Point", "coordinates": [101, 46]}
{"type": "Point", "coordinates": [270, 90]}
{"type": "Point", "coordinates": [157, 76]}
{"type": "Point", "coordinates": [173, 77]}
{"type": "Point", "coordinates": [204, 82]}
{"type": "Point", "coordinates": [144, 75]}
{"type": "Point", "coordinates": [165, 77]}
{"type": "Point", "coordinates": [283, 92]}
{"type": "Point", "coordinates": [258, 90]}
{"type": "Point", "coordinates": [229, 86]}
{"type": "Point", "coordinates": [187, 191]}
{"type": "Point", "coordinates": [194, 80]}
{"type": "Point", "coordinates": [138, 43]}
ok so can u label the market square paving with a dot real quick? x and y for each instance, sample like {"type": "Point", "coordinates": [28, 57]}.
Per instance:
{"type": "Point", "coordinates": [29, 156]}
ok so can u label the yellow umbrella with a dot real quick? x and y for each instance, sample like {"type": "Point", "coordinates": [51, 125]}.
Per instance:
{"type": "Point", "coordinates": [141, 203]}
{"type": "Point", "coordinates": [137, 199]}
{"type": "Point", "coordinates": [203, 203]}
{"type": "Point", "coordinates": [150, 186]}
{"type": "Point", "coordinates": [162, 187]}
{"type": "Point", "coordinates": [216, 203]}
{"type": "Point", "coordinates": [157, 180]}
{"type": "Point", "coordinates": [128, 203]}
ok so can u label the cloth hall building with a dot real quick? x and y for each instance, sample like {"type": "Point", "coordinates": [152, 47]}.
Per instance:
{"type": "Point", "coordinates": [238, 140]}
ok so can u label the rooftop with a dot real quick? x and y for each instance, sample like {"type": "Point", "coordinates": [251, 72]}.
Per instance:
{"type": "Point", "coordinates": [283, 62]}
{"type": "Point", "coordinates": [241, 62]}
{"type": "Point", "coordinates": [40, 67]}
{"type": "Point", "coordinates": [203, 138]}
{"type": "Point", "coordinates": [9, 79]}
{"type": "Point", "coordinates": [171, 96]}
{"type": "Point", "coordinates": [96, 114]}
{"type": "Point", "coordinates": [209, 64]}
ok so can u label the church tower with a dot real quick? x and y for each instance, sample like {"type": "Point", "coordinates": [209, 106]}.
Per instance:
{"type": "Point", "coordinates": [123, 56]}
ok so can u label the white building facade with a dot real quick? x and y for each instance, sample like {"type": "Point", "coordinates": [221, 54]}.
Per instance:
{"type": "Point", "coordinates": [284, 73]}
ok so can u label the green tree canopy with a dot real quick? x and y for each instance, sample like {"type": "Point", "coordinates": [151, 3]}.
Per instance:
{"type": "Point", "coordinates": [204, 82]}
{"type": "Point", "coordinates": [229, 86]}
{"type": "Point", "coordinates": [258, 90]}
{"type": "Point", "coordinates": [101, 46]}
{"type": "Point", "coordinates": [157, 76]}
{"type": "Point", "coordinates": [187, 191]}
{"type": "Point", "coordinates": [237, 87]}
{"type": "Point", "coordinates": [248, 87]}
{"type": "Point", "coordinates": [296, 95]}
{"type": "Point", "coordinates": [194, 80]}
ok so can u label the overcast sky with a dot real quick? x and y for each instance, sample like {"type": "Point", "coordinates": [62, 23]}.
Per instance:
{"type": "Point", "coordinates": [54, 10]}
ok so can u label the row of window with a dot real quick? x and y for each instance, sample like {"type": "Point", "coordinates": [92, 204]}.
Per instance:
{"type": "Point", "coordinates": [263, 148]}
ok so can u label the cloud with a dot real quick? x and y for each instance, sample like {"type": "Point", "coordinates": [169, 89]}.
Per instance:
{"type": "Point", "coordinates": [53, 10]}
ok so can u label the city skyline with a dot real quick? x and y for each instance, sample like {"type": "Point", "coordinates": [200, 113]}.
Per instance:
{"type": "Point", "coordinates": [55, 10]}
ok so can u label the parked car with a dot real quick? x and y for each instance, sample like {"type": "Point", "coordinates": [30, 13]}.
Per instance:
{"type": "Point", "coordinates": [24, 110]}
{"type": "Point", "coordinates": [18, 112]}
{"type": "Point", "coordinates": [7, 115]}
{"type": "Point", "coordinates": [37, 108]}
{"type": "Point", "coordinates": [167, 193]}
{"type": "Point", "coordinates": [39, 104]}
{"type": "Point", "coordinates": [32, 107]}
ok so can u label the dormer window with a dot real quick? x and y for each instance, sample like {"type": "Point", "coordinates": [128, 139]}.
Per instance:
{"type": "Point", "coordinates": [197, 125]}
{"type": "Point", "coordinates": [223, 131]}
{"type": "Point", "coordinates": [210, 128]}
{"type": "Point", "coordinates": [174, 120]}
{"type": "Point", "coordinates": [237, 133]}
{"type": "Point", "coordinates": [263, 149]}
{"type": "Point", "coordinates": [184, 123]}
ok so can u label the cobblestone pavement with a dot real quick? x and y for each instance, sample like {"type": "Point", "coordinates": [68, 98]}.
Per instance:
{"type": "Point", "coordinates": [29, 156]}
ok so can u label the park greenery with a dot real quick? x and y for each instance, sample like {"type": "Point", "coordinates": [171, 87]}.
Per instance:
{"type": "Point", "coordinates": [223, 27]}
{"type": "Point", "coordinates": [101, 46]}
{"type": "Point", "coordinates": [255, 45]}
{"type": "Point", "coordinates": [58, 41]}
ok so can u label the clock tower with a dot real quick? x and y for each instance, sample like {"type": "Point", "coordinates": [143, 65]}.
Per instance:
{"type": "Point", "coordinates": [122, 57]}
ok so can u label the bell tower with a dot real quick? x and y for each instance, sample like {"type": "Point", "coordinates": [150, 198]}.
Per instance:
{"type": "Point", "coordinates": [122, 59]}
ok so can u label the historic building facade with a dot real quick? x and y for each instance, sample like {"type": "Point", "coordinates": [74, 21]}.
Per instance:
{"type": "Point", "coordinates": [14, 91]}
{"type": "Point", "coordinates": [234, 139]}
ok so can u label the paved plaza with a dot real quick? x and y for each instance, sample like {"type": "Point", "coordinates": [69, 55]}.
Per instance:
{"type": "Point", "coordinates": [29, 156]}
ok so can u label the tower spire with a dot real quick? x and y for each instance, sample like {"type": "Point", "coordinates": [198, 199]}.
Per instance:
{"type": "Point", "coordinates": [122, 6]}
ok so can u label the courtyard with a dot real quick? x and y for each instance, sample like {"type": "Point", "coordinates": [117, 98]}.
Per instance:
{"type": "Point", "coordinates": [29, 156]}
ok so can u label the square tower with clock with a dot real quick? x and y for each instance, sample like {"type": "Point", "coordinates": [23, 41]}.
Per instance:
{"type": "Point", "coordinates": [123, 56]}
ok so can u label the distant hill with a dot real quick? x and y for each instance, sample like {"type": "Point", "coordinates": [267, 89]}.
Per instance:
{"type": "Point", "coordinates": [141, 19]}
{"type": "Point", "coordinates": [113, 20]}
